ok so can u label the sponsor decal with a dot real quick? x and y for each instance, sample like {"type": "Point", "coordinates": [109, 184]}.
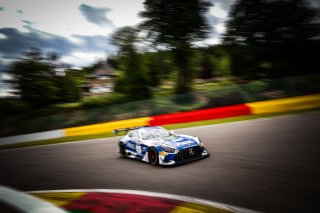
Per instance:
{"type": "Point", "coordinates": [138, 149]}
{"type": "Point", "coordinates": [130, 145]}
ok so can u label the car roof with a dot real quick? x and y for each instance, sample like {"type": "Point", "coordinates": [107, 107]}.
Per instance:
{"type": "Point", "coordinates": [148, 128]}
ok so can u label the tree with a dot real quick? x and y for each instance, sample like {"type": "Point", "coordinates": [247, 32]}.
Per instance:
{"type": "Point", "coordinates": [133, 81]}
{"type": "Point", "coordinates": [42, 80]}
{"type": "Point", "coordinates": [158, 67]}
{"type": "Point", "coordinates": [273, 38]}
{"type": "Point", "coordinates": [154, 69]}
{"type": "Point", "coordinates": [177, 24]}
{"type": "Point", "coordinates": [69, 86]}
{"type": "Point", "coordinates": [34, 79]}
{"type": "Point", "coordinates": [207, 68]}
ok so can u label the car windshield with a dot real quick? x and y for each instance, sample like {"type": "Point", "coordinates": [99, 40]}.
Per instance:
{"type": "Point", "coordinates": [155, 133]}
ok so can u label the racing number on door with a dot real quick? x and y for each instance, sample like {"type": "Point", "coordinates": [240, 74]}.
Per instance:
{"type": "Point", "coordinates": [138, 149]}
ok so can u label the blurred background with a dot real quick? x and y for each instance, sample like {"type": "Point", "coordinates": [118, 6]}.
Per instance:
{"type": "Point", "coordinates": [77, 63]}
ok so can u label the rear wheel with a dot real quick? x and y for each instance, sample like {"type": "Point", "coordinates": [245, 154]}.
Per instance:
{"type": "Point", "coordinates": [153, 156]}
{"type": "Point", "coordinates": [122, 150]}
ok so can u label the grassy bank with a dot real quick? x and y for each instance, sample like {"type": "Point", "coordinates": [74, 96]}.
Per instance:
{"type": "Point", "coordinates": [16, 118]}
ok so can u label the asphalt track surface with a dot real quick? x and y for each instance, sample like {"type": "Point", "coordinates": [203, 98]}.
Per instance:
{"type": "Point", "coordinates": [269, 165]}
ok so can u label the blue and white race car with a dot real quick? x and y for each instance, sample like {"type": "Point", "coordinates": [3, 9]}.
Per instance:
{"type": "Point", "coordinates": [157, 145]}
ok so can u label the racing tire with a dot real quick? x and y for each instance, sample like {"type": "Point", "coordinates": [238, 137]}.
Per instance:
{"type": "Point", "coordinates": [122, 150]}
{"type": "Point", "coordinates": [153, 156]}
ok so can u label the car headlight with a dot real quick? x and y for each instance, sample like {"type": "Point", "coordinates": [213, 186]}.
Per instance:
{"type": "Point", "coordinates": [198, 140]}
{"type": "Point", "coordinates": [168, 149]}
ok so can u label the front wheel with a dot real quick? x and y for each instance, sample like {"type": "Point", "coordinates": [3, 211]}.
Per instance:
{"type": "Point", "coordinates": [122, 150]}
{"type": "Point", "coordinates": [153, 156]}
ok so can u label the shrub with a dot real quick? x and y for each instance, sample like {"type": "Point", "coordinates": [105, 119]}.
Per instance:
{"type": "Point", "coordinates": [12, 107]}
{"type": "Point", "coordinates": [105, 100]}
{"type": "Point", "coordinates": [232, 98]}
{"type": "Point", "coordinates": [184, 99]}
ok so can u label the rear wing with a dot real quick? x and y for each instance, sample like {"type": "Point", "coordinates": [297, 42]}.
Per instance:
{"type": "Point", "coordinates": [116, 131]}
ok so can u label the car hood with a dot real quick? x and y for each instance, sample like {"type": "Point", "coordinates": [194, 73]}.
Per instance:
{"type": "Point", "coordinates": [181, 141]}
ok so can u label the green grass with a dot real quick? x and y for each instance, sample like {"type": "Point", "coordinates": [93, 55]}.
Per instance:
{"type": "Point", "coordinates": [170, 126]}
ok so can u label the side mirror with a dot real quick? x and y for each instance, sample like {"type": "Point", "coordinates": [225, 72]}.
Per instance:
{"type": "Point", "coordinates": [171, 132]}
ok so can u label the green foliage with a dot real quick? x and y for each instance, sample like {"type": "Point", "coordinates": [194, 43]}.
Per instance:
{"type": "Point", "coordinates": [158, 67]}
{"type": "Point", "coordinates": [69, 86]}
{"type": "Point", "coordinates": [40, 80]}
{"type": "Point", "coordinates": [184, 99]}
{"type": "Point", "coordinates": [181, 55]}
{"type": "Point", "coordinates": [231, 98]}
{"type": "Point", "coordinates": [34, 78]}
{"type": "Point", "coordinates": [155, 68]}
{"type": "Point", "coordinates": [207, 68]}
{"type": "Point", "coordinates": [177, 33]}
{"type": "Point", "coordinates": [105, 100]}
{"type": "Point", "coordinates": [162, 20]}
{"type": "Point", "coordinates": [10, 107]}
{"type": "Point", "coordinates": [223, 66]}
{"type": "Point", "coordinates": [296, 85]}
{"type": "Point", "coordinates": [256, 86]}
{"type": "Point", "coordinates": [133, 81]}
{"type": "Point", "coordinates": [273, 38]}
{"type": "Point", "coordinates": [125, 39]}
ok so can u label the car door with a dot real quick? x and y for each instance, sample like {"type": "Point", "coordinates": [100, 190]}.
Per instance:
{"type": "Point", "coordinates": [133, 139]}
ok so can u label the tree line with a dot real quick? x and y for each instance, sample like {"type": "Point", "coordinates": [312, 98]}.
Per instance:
{"type": "Point", "coordinates": [263, 39]}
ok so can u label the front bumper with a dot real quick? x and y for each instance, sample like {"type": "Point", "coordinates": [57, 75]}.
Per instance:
{"type": "Point", "coordinates": [168, 159]}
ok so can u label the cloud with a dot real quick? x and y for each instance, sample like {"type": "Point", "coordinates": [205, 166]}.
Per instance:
{"type": "Point", "coordinates": [15, 42]}
{"type": "Point", "coordinates": [97, 42]}
{"type": "Point", "coordinates": [91, 49]}
{"type": "Point", "coordinates": [125, 12]}
{"type": "Point", "coordinates": [217, 16]}
{"type": "Point", "coordinates": [57, 17]}
{"type": "Point", "coordinates": [218, 12]}
{"type": "Point", "coordinates": [223, 4]}
{"type": "Point", "coordinates": [217, 27]}
{"type": "Point", "coordinates": [69, 28]}
{"type": "Point", "coordinates": [96, 15]}
{"type": "Point", "coordinates": [2, 67]}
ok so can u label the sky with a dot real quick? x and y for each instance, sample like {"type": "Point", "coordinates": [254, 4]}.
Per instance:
{"type": "Point", "coordinates": [78, 30]}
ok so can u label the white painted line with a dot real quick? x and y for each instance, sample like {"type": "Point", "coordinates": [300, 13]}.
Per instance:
{"type": "Point", "coordinates": [26, 203]}
{"type": "Point", "coordinates": [161, 195]}
{"type": "Point", "coordinates": [32, 137]}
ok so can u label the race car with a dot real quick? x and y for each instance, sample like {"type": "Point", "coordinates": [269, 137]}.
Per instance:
{"type": "Point", "coordinates": [158, 145]}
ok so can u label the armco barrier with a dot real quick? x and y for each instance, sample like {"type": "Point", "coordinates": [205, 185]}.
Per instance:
{"type": "Point", "coordinates": [106, 127]}
{"type": "Point", "coordinates": [198, 115]}
{"type": "Point", "coordinates": [285, 104]}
